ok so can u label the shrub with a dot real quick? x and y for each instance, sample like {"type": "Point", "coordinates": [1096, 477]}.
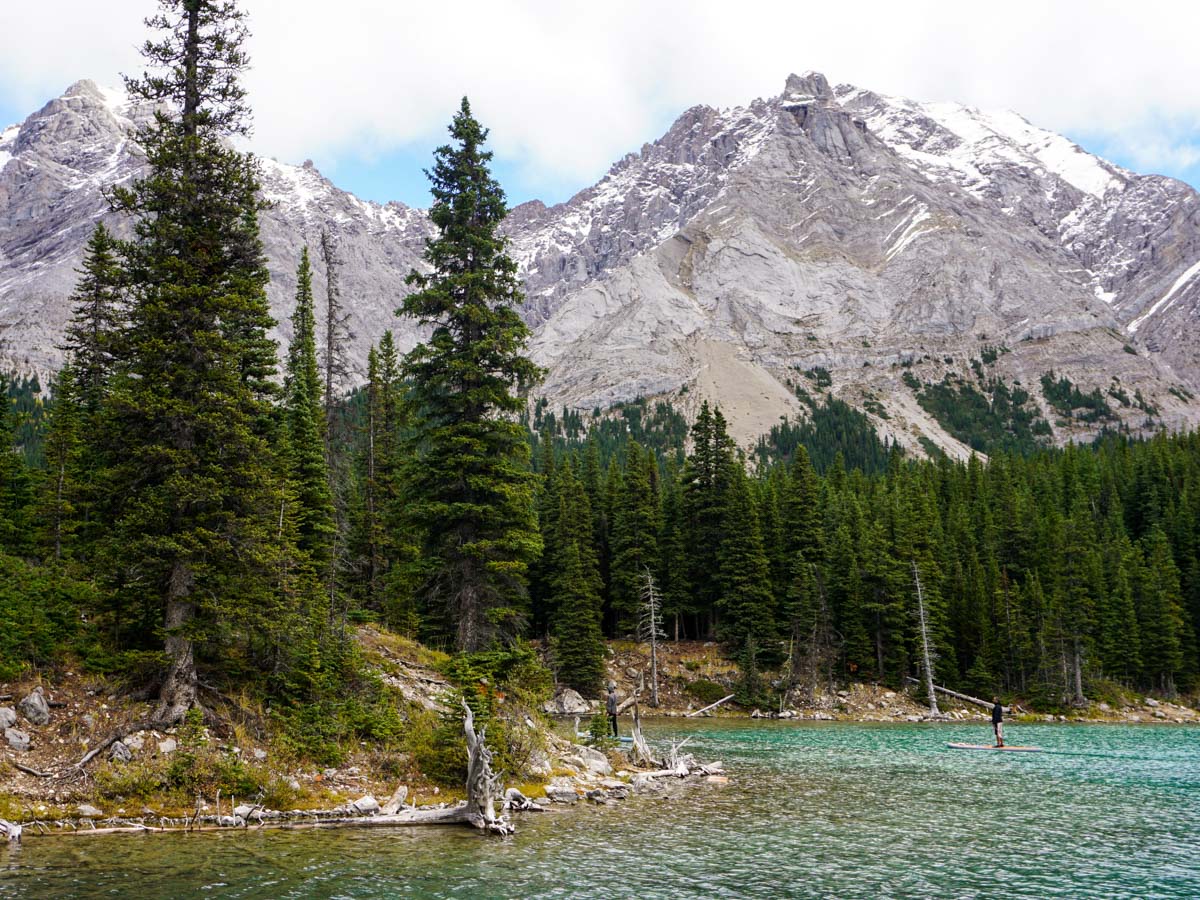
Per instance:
{"type": "Point", "coordinates": [707, 691]}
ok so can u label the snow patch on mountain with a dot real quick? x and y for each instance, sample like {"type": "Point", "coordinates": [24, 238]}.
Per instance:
{"type": "Point", "coordinates": [1166, 298]}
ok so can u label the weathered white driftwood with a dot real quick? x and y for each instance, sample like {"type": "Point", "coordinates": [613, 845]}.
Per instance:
{"type": "Point", "coordinates": [966, 698]}
{"type": "Point", "coordinates": [701, 712]}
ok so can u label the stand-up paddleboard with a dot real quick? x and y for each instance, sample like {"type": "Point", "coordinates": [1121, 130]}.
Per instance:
{"type": "Point", "coordinates": [1013, 749]}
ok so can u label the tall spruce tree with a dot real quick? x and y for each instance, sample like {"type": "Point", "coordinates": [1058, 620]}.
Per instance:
{"type": "Point", "coordinates": [304, 419]}
{"type": "Point", "coordinates": [190, 401]}
{"type": "Point", "coordinates": [578, 644]}
{"type": "Point", "coordinates": [97, 318]}
{"type": "Point", "coordinates": [468, 482]}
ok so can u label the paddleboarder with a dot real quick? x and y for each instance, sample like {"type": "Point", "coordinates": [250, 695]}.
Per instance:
{"type": "Point", "coordinates": [998, 721]}
{"type": "Point", "coordinates": [612, 707]}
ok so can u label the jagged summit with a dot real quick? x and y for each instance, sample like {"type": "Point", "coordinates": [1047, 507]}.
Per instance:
{"type": "Point", "coordinates": [828, 227]}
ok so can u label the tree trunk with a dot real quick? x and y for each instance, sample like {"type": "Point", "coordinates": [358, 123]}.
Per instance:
{"type": "Point", "coordinates": [1077, 673]}
{"type": "Point", "coordinates": [483, 786]}
{"type": "Point", "coordinates": [178, 692]}
{"type": "Point", "coordinates": [926, 653]}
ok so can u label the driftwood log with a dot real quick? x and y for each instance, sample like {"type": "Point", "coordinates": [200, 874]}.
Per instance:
{"type": "Point", "coordinates": [966, 698]}
{"type": "Point", "coordinates": [701, 712]}
{"type": "Point", "coordinates": [483, 786]}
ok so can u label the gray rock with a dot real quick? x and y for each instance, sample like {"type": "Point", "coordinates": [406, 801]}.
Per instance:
{"type": "Point", "coordinates": [247, 812]}
{"type": "Point", "coordinates": [119, 752]}
{"type": "Point", "coordinates": [34, 707]}
{"type": "Point", "coordinates": [86, 811]}
{"type": "Point", "coordinates": [260, 754]}
{"type": "Point", "coordinates": [594, 760]}
{"type": "Point", "coordinates": [169, 745]}
{"type": "Point", "coordinates": [293, 784]}
{"type": "Point", "coordinates": [367, 806]}
{"type": "Point", "coordinates": [8, 717]}
{"type": "Point", "coordinates": [567, 702]}
{"type": "Point", "coordinates": [1151, 702]}
{"type": "Point", "coordinates": [562, 789]}
{"type": "Point", "coordinates": [89, 721]}
{"type": "Point", "coordinates": [136, 741]}
{"type": "Point", "coordinates": [17, 739]}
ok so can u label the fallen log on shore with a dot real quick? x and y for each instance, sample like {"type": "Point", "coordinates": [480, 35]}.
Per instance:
{"type": "Point", "coordinates": [966, 698]}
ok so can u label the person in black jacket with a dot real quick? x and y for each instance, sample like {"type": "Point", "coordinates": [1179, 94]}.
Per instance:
{"type": "Point", "coordinates": [998, 722]}
{"type": "Point", "coordinates": [612, 707]}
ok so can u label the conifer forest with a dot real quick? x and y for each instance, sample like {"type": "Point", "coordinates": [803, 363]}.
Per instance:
{"type": "Point", "coordinates": [183, 509]}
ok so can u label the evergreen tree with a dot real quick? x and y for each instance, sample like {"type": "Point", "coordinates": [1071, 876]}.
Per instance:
{"type": "Point", "coordinates": [468, 483]}
{"type": "Point", "coordinates": [304, 419]}
{"type": "Point", "coordinates": [63, 475]}
{"type": "Point", "coordinates": [746, 603]}
{"type": "Point", "coordinates": [190, 404]}
{"type": "Point", "coordinates": [14, 481]}
{"type": "Point", "coordinates": [634, 536]}
{"type": "Point", "coordinates": [575, 585]}
{"type": "Point", "coordinates": [97, 319]}
{"type": "Point", "coordinates": [1161, 619]}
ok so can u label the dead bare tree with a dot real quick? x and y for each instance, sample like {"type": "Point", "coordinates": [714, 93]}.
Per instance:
{"type": "Point", "coordinates": [650, 628]}
{"type": "Point", "coordinates": [927, 654]}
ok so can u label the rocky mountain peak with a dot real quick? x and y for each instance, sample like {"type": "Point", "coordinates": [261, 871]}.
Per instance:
{"type": "Point", "coordinates": [806, 88]}
{"type": "Point", "coordinates": [826, 228]}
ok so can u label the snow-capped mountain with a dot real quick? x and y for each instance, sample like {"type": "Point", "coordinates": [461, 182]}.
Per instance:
{"type": "Point", "coordinates": [830, 227]}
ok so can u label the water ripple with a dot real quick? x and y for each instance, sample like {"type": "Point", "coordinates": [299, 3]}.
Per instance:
{"type": "Point", "coordinates": [813, 810]}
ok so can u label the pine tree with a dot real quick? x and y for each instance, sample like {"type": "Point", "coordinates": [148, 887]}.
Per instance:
{"type": "Point", "coordinates": [1161, 614]}
{"type": "Point", "coordinates": [191, 410]}
{"type": "Point", "coordinates": [634, 536]}
{"type": "Point", "coordinates": [575, 587]}
{"type": "Point", "coordinates": [14, 480]}
{"type": "Point", "coordinates": [747, 606]}
{"type": "Point", "coordinates": [706, 477]}
{"type": "Point", "coordinates": [97, 319]}
{"type": "Point", "coordinates": [304, 421]}
{"type": "Point", "coordinates": [468, 482]}
{"type": "Point", "coordinates": [63, 475]}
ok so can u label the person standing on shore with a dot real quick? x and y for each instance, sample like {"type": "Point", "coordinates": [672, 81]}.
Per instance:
{"type": "Point", "coordinates": [998, 721]}
{"type": "Point", "coordinates": [612, 707]}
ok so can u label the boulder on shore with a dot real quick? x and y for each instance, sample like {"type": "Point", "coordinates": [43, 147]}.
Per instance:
{"type": "Point", "coordinates": [34, 707]}
{"type": "Point", "coordinates": [567, 702]}
{"type": "Point", "coordinates": [17, 739]}
{"type": "Point", "coordinates": [365, 806]}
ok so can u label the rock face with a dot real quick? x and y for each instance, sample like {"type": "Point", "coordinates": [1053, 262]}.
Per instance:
{"type": "Point", "coordinates": [827, 226]}
{"type": "Point", "coordinates": [34, 707]}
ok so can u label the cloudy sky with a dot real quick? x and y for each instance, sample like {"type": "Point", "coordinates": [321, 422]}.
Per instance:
{"type": "Point", "coordinates": [366, 87]}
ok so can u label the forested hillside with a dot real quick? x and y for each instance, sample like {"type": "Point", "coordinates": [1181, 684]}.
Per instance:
{"type": "Point", "coordinates": [191, 518]}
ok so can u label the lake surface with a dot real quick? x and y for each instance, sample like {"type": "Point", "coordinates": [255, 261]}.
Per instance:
{"type": "Point", "coordinates": [812, 810]}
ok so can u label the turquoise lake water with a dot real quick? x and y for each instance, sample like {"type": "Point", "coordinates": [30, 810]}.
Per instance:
{"type": "Point", "coordinates": [812, 810]}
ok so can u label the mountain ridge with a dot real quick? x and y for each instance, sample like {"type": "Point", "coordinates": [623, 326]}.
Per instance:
{"type": "Point", "coordinates": [826, 227]}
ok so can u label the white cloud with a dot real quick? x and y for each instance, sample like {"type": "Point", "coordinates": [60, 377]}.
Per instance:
{"type": "Point", "coordinates": [568, 87]}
